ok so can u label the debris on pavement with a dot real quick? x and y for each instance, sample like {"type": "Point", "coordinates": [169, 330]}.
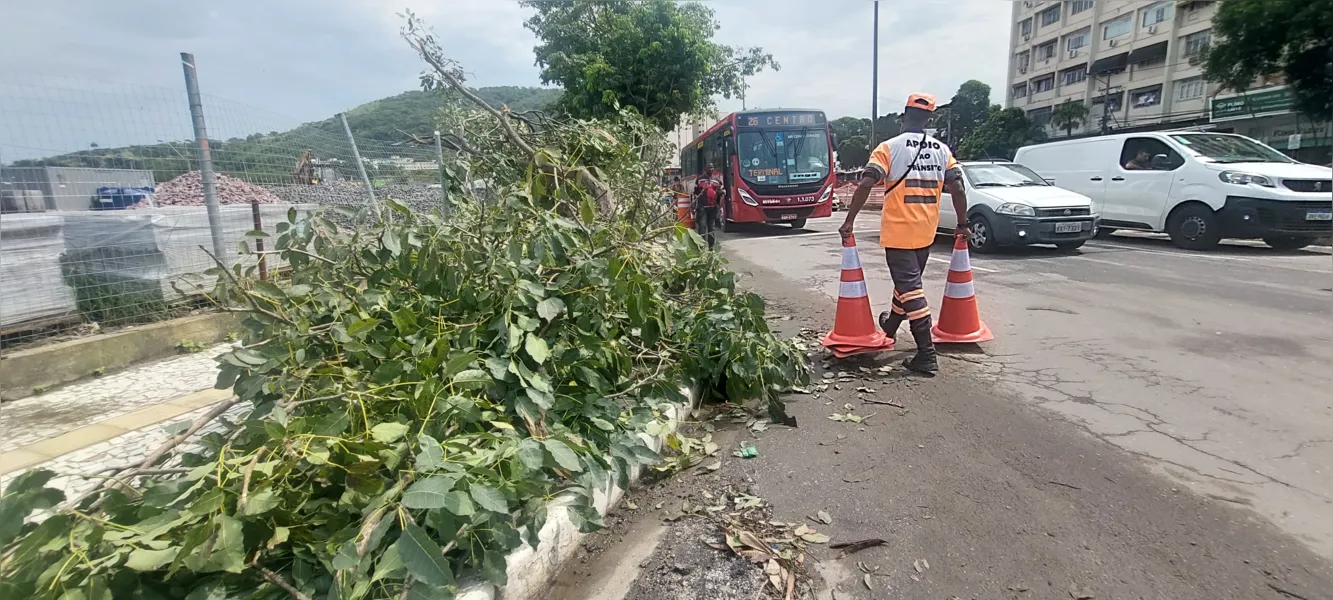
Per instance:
{"type": "Point", "coordinates": [849, 548]}
{"type": "Point", "coordinates": [747, 451]}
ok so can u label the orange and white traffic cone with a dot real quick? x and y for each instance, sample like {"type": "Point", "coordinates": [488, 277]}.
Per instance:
{"type": "Point", "coordinates": [854, 331]}
{"type": "Point", "coordinates": [684, 212]}
{"type": "Point", "coordinates": [960, 320]}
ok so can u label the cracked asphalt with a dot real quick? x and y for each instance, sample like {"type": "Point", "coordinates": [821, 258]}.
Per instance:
{"type": "Point", "coordinates": [1210, 370]}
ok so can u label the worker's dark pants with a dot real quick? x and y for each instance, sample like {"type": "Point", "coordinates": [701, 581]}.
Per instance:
{"type": "Point", "coordinates": [705, 222]}
{"type": "Point", "coordinates": [909, 299]}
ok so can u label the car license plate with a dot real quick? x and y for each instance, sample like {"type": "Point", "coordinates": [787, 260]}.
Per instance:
{"type": "Point", "coordinates": [1068, 227]}
{"type": "Point", "coordinates": [1319, 215]}
{"type": "Point", "coordinates": [789, 217]}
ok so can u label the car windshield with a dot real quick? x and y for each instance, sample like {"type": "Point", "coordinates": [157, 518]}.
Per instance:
{"type": "Point", "coordinates": [1229, 148]}
{"type": "Point", "coordinates": [784, 155]}
{"type": "Point", "coordinates": [1001, 175]}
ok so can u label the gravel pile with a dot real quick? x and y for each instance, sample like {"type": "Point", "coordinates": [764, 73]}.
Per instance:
{"type": "Point", "coordinates": [419, 197]}
{"type": "Point", "coordinates": [188, 190]}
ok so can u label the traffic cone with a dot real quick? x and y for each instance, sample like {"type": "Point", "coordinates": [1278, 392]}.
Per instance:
{"type": "Point", "coordinates": [960, 321]}
{"type": "Point", "coordinates": [854, 331]}
{"type": "Point", "coordinates": [684, 212]}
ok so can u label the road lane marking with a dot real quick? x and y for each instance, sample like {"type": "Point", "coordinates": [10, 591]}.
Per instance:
{"type": "Point", "coordinates": [974, 266]}
{"type": "Point", "coordinates": [1166, 252]}
{"type": "Point", "coordinates": [799, 235]}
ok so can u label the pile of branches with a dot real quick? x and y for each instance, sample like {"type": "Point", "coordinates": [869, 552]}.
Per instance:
{"type": "Point", "coordinates": [418, 392]}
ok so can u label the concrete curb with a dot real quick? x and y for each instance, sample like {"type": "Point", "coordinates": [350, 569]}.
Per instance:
{"type": "Point", "coordinates": [532, 571]}
{"type": "Point", "coordinates": [56, 364]}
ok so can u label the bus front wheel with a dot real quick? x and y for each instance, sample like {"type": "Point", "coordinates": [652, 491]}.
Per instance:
{"type": "Point", "coordinates": [798, 224]}
{"type": "Point", "coordinates": [728, 226]}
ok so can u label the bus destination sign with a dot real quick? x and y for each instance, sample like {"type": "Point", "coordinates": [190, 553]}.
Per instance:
{"type": "Point", "coordinates": [781, 119]}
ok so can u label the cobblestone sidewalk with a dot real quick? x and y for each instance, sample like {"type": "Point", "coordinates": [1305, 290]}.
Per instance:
{"type": "Point", "coordinates": [65, 409]}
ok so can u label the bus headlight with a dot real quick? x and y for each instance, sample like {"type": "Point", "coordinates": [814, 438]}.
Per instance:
{"type": "Point", "coordinates": [746, 198]}
{"type": "Point", "coordinates": [828, 193]}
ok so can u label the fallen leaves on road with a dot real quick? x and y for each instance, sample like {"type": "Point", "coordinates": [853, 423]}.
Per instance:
{"type": "Point", "coordinates": [846, 418]}
{"type": "Point", "coordinates": [921, 565]}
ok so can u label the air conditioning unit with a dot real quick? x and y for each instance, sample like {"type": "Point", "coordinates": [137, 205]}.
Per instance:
{"type": "Point", "coordinates": [1027, 38]}
{"type": "Point", "coordinates": [1027, 3]}
{"type": "Point", "coordinates": [1022, 70]}
{"type": "Point", "coordinates": [1073, 53]}
{"type": "Point", "coordinates": [1110, 43]}
{"type": "Point", "coordinates": [1194, 60]}
{"type": "Point", "coordinates": [1152, 29]}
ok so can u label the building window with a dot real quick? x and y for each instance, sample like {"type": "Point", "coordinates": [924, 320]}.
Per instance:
{"type": "Point", "coordinates": [1077, 40]}
{"type": "Point", "coordinates": [1079, 6]}
{"type": "Point", "coordinates": [1046, 51]}
{"type": "Point", "coordinates": [1155, 63]}
{"type": "Point", "coordinates": [1197, 42]}
{"type": "Point", "coordinates": [1025, 26]}
{"type": "Point", "coordinates": [1073, 76]}
{"type": "Point", "coordinates": [1040, 116]}
{"type": "Point", "coordinates": [1189, 89]}
{"type": "Point", "coordinates": [1050, 16]}
{"type": "Point", "coordinates": [1151, 96]}
{"type": "Point", "coordinates": [1115, 102]}
{"type": "Point", "coordinates": [1156, 13]}
{"type": "Point", "coordinates": [1023, 61]}
{"type": "Point", "coordinates": [1045, 84]}
{"type": "Point", "coordinates": [1117, 28]}
{"type": "Point", "coordinates": [1021, 90]}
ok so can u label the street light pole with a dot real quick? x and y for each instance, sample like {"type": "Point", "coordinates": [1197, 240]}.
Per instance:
{"type": "Point", "coordinates": [874, 81]}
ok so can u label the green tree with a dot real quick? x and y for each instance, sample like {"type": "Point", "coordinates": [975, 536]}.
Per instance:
{"type": "Point", "coordinates": [968, 110]}
{"type": "Point", "coordinates": [1003, 133]}
{"type": "Point", "coordinates": [1069, 114]}
{"type": "Point", "coordinates": [656, 56]}
{"type": "Point", "coordinates": [886, 127]}
{"type": "Point", "coordinates": [852, 152]}
{"type": "Point", "coordinates": [848, 127]}
{"type": "Point", "coordinates": [1267, 37]}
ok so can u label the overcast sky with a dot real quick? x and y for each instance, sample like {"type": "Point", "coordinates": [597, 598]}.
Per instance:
{"type": "Point", "coordinates": [93, 70]}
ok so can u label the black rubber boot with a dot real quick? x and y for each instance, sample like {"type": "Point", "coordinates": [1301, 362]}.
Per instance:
{"type": "Point", "coordinates": [890, 322]}
{"type": "Point", "coordinates": [925, 362]}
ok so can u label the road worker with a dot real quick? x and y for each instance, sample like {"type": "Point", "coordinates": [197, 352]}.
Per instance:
{"type": "Point", "coordinates": [915, 168]}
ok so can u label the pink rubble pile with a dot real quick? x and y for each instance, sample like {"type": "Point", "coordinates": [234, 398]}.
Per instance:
{"type": "Point", "coordinates": [188, 190]}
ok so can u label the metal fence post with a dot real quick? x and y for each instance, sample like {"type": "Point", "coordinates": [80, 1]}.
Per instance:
{"type": "Point", "coordinates": [360, 167]}
{"type": "Point", "coordinates": [444, 181]}
{"type": "Point", "coordinates": [205, 156]}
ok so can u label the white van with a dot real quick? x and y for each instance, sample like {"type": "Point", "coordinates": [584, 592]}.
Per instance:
{"type": "Point", "coordinates": [1198, 187]}
{"type": "Point", "coordinates": [1009, 205]}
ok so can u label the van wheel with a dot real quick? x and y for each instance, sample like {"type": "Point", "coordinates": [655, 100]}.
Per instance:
{"type": "Point", "coordinates": [1070, 246]}
{"type": "Point", "coordinates": [1288, 242]}
{"type": "Point", "coordinates": [1194, 227]}
{"type": "Point", "coordinates": [982, 240]}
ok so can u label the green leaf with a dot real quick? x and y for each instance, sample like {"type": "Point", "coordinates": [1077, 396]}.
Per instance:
{"type": "Point", "coordinates": [537, 349]}
{"type": "Point", "coordinates": [550, 308]}
{"type": "Point", "coordinates": [227, 552]}
{"type": "Point", "coordinates": [280, 535]}
{"type": "Point", "coordinates": [490, 499]}
{"type": "Point", "coordinates": [390, 564]}
{"type": "Point", "coordinates": [423, 557]}
{"type": "Point", "coordinates": [258, 503]}
{"type": "Point", "coordinates": [429, 493]}
{"type": "Point", "coordinates": [143, 559]}
{"type": "Point", "coordinates": [361, 327]}
{"type": "Point", "coordinates": [458, 503]}
{"type": "Point", "coordinates": [458, 363]}
{"type": "Point", "coordinates": [391, 242]}
{"type": "Point", "coordinates": [249, 357]}
{"type": "Point", "coordinates": [472, 378]}
{"type": "Point", "coordinates": [585, 517]}
{"type": "Point", "coordinates": [563, 455]}
{"type": "Point", "coordinates": [346, 557]}
{"type": "Point", "coordinates": [532, 456]}
{"type": "Point", "coordinates": [533, 288]}
{"type": "Point", "coordinates": [431, 454]}
{"type": "Point", "coordinates": [389, 432]}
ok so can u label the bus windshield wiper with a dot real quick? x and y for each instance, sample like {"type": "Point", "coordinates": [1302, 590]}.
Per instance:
{"type": "Point", "coordinates": [772, 148]}
{"type": "Point", "coordinates": [796, 148]}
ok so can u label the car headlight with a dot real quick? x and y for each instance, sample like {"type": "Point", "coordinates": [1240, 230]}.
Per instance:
{"type": "Point", "coordinates": [746, 198]}
{"type": "Point", "coordinates": [1016, 209]}
{"type": "Point", "coordinates": [828, 193]}
{"type": "Point", "coordinates": [1241, 178]}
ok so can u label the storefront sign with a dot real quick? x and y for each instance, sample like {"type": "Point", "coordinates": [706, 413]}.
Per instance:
{"type": "Point", "coordinates": [1261, 103]}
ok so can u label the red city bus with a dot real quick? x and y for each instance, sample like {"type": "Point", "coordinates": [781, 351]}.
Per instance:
{"type": "Point", "coordinates": [776, 166]}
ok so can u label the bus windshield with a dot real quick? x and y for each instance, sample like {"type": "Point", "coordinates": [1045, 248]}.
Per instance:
{"type": "Point", "coordinates": [779, 156]}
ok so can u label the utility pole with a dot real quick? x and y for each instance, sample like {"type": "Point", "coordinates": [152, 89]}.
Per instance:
{"type": "Point", "coordinates": [874, 81]}
{"type": "Point", "coordinates": [1106, 105]}
{"type": "Point", "coordinates": [206, 178]}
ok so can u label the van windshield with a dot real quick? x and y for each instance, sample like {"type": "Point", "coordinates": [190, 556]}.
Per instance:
{"type": "Point", "coordinates": [1221, 148]}
{"type": "Point", "coordinates": [1001, 175]}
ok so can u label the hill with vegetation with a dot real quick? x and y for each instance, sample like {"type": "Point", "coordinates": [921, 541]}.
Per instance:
{"type": "Point", "coordinates": [381, 127]}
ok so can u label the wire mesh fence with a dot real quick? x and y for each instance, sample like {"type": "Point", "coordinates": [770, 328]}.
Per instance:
{"type": "Point", "coordinates": [103, 216]}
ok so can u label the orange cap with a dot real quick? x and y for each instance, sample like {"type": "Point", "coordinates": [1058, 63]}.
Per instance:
{"type": "Point", "coordinates": [921, 101]}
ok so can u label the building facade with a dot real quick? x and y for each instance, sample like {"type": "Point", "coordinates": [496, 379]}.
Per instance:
{"type": "Point", "coordinates": [1139, 65]}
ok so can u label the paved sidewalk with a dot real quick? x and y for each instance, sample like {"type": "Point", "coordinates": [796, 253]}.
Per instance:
{"type": "Point", "coordinates": [112, 421]}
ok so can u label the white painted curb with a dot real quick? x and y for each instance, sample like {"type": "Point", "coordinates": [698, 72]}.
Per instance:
{"type": "Point", "coordinates": [532, 571]}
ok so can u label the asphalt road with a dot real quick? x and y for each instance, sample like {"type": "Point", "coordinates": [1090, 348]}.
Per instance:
{"type": "Point", "coordinates": [1213, 370]}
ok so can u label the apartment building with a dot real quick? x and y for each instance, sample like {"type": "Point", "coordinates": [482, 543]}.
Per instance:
{"type": "Point", "coordinates": [1138, 65]}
